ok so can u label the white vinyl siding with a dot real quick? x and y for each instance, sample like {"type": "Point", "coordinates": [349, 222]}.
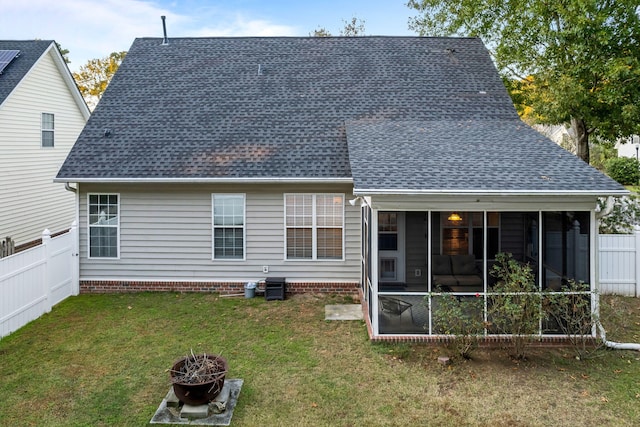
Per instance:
{"type": "Point", "coordinates": [166, 234]}
{"type": "Point", "coordinates": [104, 225]}
{"type": "Point", "coordinates": [48, 129]}
{"type": "Point", "coordinates": [31, 201]}
{"type": "Point", "coordinates": [228, 226]}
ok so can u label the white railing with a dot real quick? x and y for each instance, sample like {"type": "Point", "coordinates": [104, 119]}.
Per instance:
{"type": "Point", "coordinates": [619, 263]}
{"type": "Point", "coordinates": [34, 280]}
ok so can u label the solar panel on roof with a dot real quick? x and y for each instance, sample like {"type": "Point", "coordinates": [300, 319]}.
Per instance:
{"type": "Point", "coordinates": [6, 56]}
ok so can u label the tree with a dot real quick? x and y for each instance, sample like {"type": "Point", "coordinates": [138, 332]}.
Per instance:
{"type": "Point", "coordinates": [94, 77]}
{"type": "Point", "coordinates": [352, 28]}
{"type": "Point", "coordinates": [320, 32]}
{"type": "Point", "coordinates": [573, 61]}
{"type": "Point", "coordinates": [64, 53]}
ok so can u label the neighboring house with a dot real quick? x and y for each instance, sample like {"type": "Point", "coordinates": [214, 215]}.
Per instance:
{"type": "Point", "coordinates": [41, 115]}
{"type": "Point", "coordinates": [629, 147]}
{"type": "Point", "coordinates": [392, 166]}
{"type": "Point", "coordinates": [560, 134]}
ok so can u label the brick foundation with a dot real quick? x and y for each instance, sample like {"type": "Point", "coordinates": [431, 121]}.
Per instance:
{"type": "Point", "coordinates": [225, 288]}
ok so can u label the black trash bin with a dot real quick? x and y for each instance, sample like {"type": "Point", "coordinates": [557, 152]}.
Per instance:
{"type": "Point", "coordinates": [274, 288]}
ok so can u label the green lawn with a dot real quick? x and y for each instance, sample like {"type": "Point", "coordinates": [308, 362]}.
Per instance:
{"type": "Point", "coordinates": [103, 359]}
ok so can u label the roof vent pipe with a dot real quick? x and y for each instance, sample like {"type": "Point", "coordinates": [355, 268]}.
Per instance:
{"type": "Point", "coordinates": [165, 41]}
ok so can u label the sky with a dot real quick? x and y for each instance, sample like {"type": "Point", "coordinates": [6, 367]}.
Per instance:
{"type": "Point", "coordinates": [94, 28]}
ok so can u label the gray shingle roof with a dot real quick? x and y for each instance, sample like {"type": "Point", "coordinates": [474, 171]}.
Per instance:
{"type": "Point", "coordinates": [276, 108]}
{"type": "Point", "coordinates": [465, 156]}
{"type": "Point", "coordinates": [197, 108]}
{"type": "Point", "coordinates": [30, 52]}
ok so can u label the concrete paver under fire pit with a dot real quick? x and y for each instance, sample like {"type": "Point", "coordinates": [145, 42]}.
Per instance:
{"type": "Point", "coordinates": [171, 412]}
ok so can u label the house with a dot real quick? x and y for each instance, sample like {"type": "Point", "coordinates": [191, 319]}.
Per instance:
{"type": "Point", "coordinates": [629, 147]}
{"type": "Point", "coordinates": [389, 166]}
{"type": "Point", "coordinates": [41, 116]}
{"type": "Point", "coordinates": [562, 135]}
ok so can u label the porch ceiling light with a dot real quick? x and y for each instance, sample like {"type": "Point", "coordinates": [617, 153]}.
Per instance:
{"type": "Point", "coordinates": [454, 217]}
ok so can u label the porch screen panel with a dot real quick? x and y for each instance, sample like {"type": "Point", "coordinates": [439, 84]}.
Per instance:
{"type": "Point", "coordinates": [566, 248]}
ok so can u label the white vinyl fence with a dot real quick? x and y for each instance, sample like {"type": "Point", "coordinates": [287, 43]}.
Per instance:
{"type": "Point", "coordinates": [34, 280]}
{"type": "Point", "coordinates": [619, 264]}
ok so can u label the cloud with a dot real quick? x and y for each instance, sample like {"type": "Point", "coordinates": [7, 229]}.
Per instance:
{"type": "Point", "coordinates": [94, 28]}
{"type": "Point", "coordinates": [88, 29]}
{"type": "Point", "coordinates": [243, 26]}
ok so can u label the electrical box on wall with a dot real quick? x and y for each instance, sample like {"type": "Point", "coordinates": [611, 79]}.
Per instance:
{"type": "Point", "coordinates": [265, 269]}
{"type": "Point", "coordinates": [418, 272]}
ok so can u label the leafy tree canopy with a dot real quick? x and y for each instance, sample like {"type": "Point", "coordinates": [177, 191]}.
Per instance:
{"type": "Point", "coordinates": [94, 77]}
{"type": "Point", "coordinates": [64, 53]}
{"type": "Point", "coordinates": [352, 28]}
{"type": "Point", "coordinates": [566, 61]}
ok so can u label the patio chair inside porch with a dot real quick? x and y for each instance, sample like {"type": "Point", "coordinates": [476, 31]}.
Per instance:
{"type": "Point", "coordinates": [395, 308]}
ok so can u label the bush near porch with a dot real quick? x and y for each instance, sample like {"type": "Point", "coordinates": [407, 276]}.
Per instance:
{"type": "Point", "coordinates": [102, 360]}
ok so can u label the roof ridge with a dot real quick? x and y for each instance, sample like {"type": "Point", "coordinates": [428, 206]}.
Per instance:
{"type": "Point", "coordinates": [311, 37]}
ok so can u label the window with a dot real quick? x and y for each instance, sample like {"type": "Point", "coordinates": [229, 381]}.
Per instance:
{"type": "Point", "coordinates": [104, 224]}
{"type": "Point", "coordinates": [388, 268]}
{"type": "Point", "coordinates": [228, 226]}
{"type": "Point", "coordinates": [388, 231]}
{"type": "Point", "coordinates": [314, 226]}
{"type": "Point", "coordinates": [47, 130]}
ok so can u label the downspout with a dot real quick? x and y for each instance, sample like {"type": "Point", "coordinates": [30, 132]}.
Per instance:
{"type": "Point", "coordinates": [616, 345]}
{"type": "Point", "coordinates": [76, 244]}
{"type": "Point", "coordinates": [603, 334]}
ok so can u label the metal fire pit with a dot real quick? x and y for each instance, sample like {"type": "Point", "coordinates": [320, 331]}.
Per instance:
{"type": "Point", "coordinates": [188, 383]}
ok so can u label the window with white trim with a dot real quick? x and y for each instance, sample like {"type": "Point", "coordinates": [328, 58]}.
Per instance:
{"type": "Point", "coordinates": [47, 127]}
{"type": "Point", "coordinates": [314, 226]}
{"type": "Point", "coordinates": [228, 226]}
{"type": "Point", "coordinates": [104, 223]}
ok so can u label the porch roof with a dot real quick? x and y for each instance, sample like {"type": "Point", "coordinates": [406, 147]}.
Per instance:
{"type": "Point", "coordinates": [488, 156]}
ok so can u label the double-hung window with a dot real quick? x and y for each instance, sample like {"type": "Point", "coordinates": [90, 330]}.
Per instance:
{"type": "Point", "coordinates": [314, 226]}
{"type": "Point", "coordinates": [47, 127]}
{"type": "Point", "coordinates": [228, 226]}
{"type": "Point", "coordinates": [104, 223]}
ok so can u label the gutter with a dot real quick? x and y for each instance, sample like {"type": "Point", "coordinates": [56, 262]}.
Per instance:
{"type": "Point", "coordinates": [432, 192]}
{"type": "Point", "coordinates": [69, 188]}
{"type": "Point", "coordinates": [269, 180]}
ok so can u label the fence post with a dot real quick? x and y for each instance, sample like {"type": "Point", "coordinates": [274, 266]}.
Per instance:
{"type": "Point", "coordinates": [75, 259]}
{"type": "Point", "coordinates": [46, 280]}
{"type": "Point", "coordinates": [637, 257]}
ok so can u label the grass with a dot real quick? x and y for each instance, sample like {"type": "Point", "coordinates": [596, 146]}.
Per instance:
{"type": "Point", "coordinates": [99, 360]}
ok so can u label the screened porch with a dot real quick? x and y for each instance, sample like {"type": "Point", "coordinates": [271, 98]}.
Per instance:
{"type": "Point", "coordinates": [411, 257]}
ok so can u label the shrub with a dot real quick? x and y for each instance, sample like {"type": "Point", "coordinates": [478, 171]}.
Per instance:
{"type": "Point", "coordinates": [515, 309]}
{"type": "Point", "coordinates": [600, 152]}
{"type": "Point", "coordinates": [625, 170]}
{"type": "Point", "coordinates": [462, 317]}
{"type": "Point", "coordinates": [571, 315]}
